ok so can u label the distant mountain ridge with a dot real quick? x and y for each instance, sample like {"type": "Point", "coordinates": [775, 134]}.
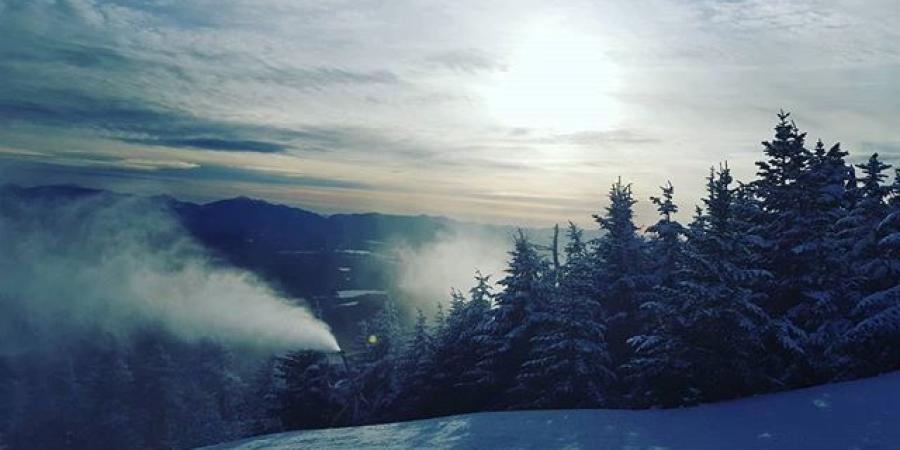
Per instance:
{"type": "Point", "coordinates": [300, 253]}
{"type": "Point", "coordinates": [278, 224]}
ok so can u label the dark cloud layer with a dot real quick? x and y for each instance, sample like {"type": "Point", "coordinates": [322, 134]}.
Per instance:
{"type": "Point", "coordinates": [28, 172]}
{"type": "Point", "coordinates": [217, 144]}
{"type": "Point", "coordinates": [72, 65]}
{"type": "Point", "coordinates": [134, 122]}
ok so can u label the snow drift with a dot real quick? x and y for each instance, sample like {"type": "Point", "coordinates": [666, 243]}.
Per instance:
{"type": "Point", "coordinates": [855, 415]}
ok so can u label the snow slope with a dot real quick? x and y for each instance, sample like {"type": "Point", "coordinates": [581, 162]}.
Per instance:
{"type": "Point", "coordinates": [861, 414]}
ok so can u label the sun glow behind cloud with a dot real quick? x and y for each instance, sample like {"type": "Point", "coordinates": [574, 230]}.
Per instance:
{"type": "Point", "coordinates": [493, 110]}
{"type": "Point", "coordinates": [557, 78]}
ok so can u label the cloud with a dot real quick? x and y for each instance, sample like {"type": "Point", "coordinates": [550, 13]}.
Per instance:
{"type": "Point", "coordinates": [887, 151]}
{"type": "Point", "coordinates": [322, 77]}
{"type": "Point", "coordinates": [391, 99]}
{"type": "Point", "coordinates": [135, 123]}
{"type": "Point", "coordinates": [605, 138]}
{"type": "Point", "coordinates": [149, 164]}
{"type": "Point", "coordinates": [263, 176]}
{"type": "Point", "coordinates": [33, 166]}
{"type": "Point", "coordinates": [128, 164]}
{"type": "Point", "coordinates": [469, 61]}
{"type": "Point", "coordinates": [216, 144]}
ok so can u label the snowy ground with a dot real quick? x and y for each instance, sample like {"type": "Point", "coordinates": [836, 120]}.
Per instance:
{"type": "Point", "coordinates": [856, 415]}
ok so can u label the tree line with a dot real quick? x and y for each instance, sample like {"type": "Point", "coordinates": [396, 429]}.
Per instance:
{"type": "Point", "coordinates": [788, 280]}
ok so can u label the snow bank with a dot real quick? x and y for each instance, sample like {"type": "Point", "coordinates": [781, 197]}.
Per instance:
{"type": "Point", "coordinates": [856, 415]}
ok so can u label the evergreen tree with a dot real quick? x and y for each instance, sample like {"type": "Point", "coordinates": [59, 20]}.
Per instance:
{"type": "Point", "coordinates": [707, 334]}
{"type": "Point", "coordinates": [383, 336]}
{"type": "Point", "coordinates": [262, 399]}
{"type": "Point", "coordinates": [824, 315]}
{"type": "Point", "coordinates": [212, 390]}
{"type": "Point", "coordinates": [108, 385]}
{"type": "Point", "coordinates": [307, 396]}
{"type": "Point", "coordinates": [621, 266]}
{"type": "Point", "coordinates": [459, 348]}
{"type": "Point", "coordinates": [440, 320]}
{"type": "Point", "coordinates": [417, 369]}
{"type": "Point", "coordinates": [506, 338]}
{"type": "Point", "coordinates": [668, 235]}
{"type": "Point", "coordinates": [871, 233]}
{"type": "Point", "coordinates": [784, 221]}
{"type": "Point", "coordinates": [569, 365]}
{"type": "Point", "coordinates": [378, 381]}
{"type": "Point", "coordinates": [779, 184]}
{"type": "Point", "coordinates": [859, 231]}
{"type": "Point", "coordinates": [159, 399]}
{"type": "Point", "coordinates": [801, 196]}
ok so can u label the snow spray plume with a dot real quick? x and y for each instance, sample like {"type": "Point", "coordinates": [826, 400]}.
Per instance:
{"type": "Point", "coordinates": [426, 274]}
{"type": "Point", "coordinates": [119, 265]}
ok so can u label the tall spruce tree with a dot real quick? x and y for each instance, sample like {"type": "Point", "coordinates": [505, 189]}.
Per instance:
{"type": "Point", "coordinates": [569, 365]}
{"type": "Point", "coordinates": [784, 221]}
{"type": "Point", "coordinates": [872, 236]}
{"type": "Point", "coordinates": [828, 301]}
{"type": "Point", "coordinates": [459, 348]}
{"type": "Point", "coordinates": [307, 398]}
{"type": "Point", "coordinates": [378, 378]}
{"type": "Point", "coordinates": [506, 338]}
{"type": "Point", "coordinates": [621, 270]}
{"type": "Point", "coordinates": [417, 370]}
{"type": "Point", "coordinates": [667, 237]}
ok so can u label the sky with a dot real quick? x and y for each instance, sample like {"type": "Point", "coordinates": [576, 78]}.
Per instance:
{"type": "Point", "coordinates": [513, 112]}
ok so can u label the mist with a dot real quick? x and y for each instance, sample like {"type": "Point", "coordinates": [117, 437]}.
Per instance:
{"type": "Point", "coordinates": [427, 273]}
{"type": "Point", "coordinates": [120, 265]}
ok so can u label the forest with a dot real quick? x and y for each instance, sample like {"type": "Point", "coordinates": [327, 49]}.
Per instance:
{"type": "Point", "coordinates": [788, 280]}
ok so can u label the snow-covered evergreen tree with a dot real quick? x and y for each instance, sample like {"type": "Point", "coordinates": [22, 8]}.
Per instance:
{"type": "Point", "coordinates": [621, 270]}
{"type": "Point", "coordinates": [568, 365]}
{"type": "Point", "coordinates": [872, 238]}
{"type": "Point", "coordinates": [779, 184]}
{"type": "Point", "coordinates": [667, 237]}
{"type": "Point", "coordinates": [707, 335]}
{"type": "Point", "coordinates": [261, 405]}
{"type": "Point", "coordinates": [159, 398]}
{"type": "Point", "coordinates": [308, 398]}
{"type": "Point", "coordinates": [506, 338]}
{"type": "Point", "coordinates": [383, 336]}
{"type": "Point", "coordinates": [801, 195]}
{"type": "Point", "coordinates": [822, 273]}
{"type": "Point", "coordinates": [784, 221]}
{"type": "Point", "coordinates": [108, 385]}
{"type": "Point", "coordinates": [416, 370]}
{"type": "Point", "coordinates": [458, 349]}
{"type": "Point", "coordinates": [379, 380]}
